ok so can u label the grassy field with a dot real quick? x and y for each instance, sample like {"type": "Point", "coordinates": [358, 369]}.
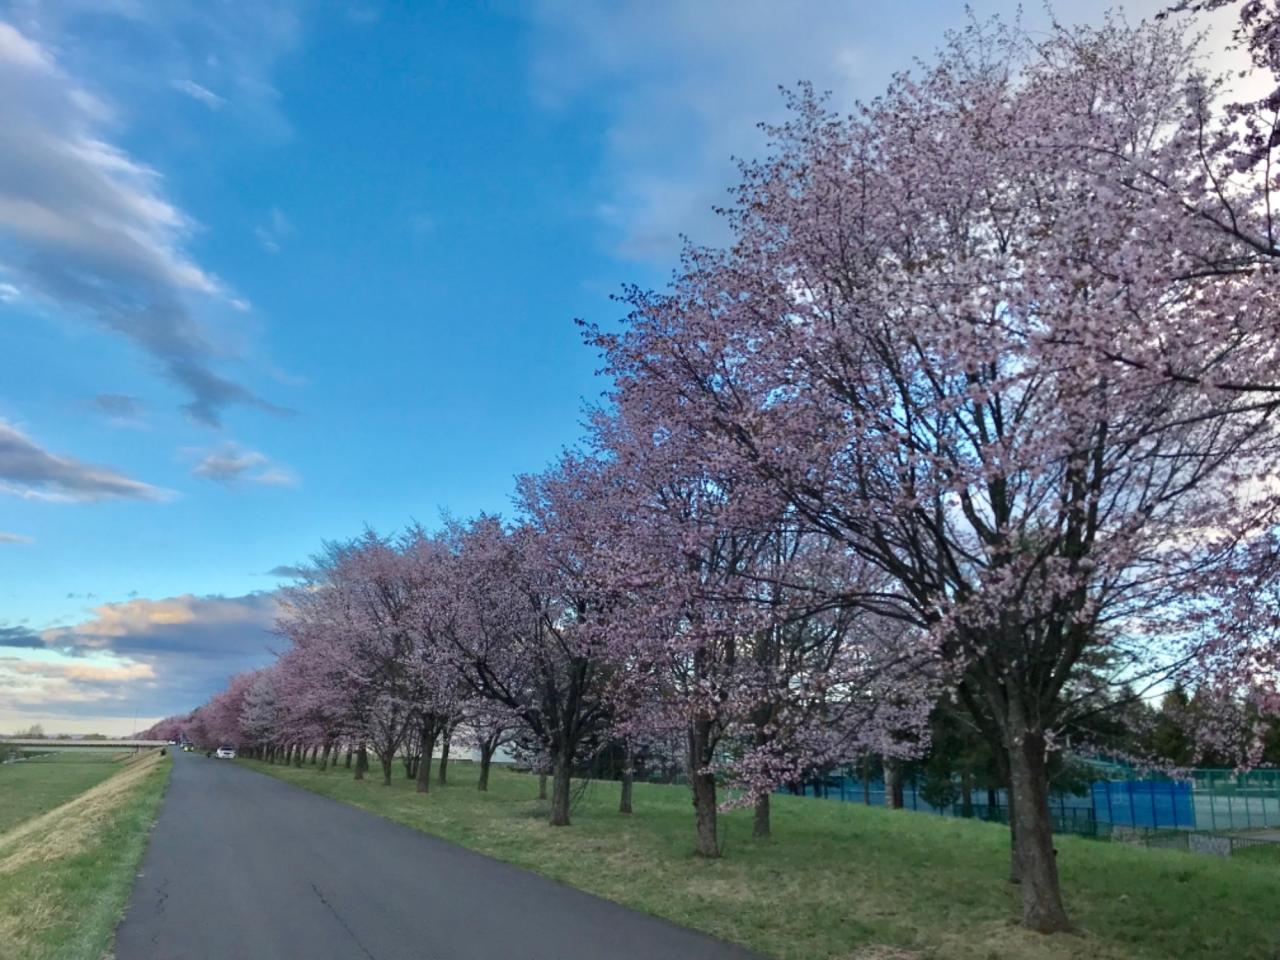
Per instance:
{"type": "Point", "coordinates": [66, 869]}
{"type": "Point", "coordinates": [840, 880]}
{"type": "Point", "coordinates": [33, 786]}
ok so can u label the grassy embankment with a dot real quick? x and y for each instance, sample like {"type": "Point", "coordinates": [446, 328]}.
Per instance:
{"type": "Point", "coordinates": [73, 827]}
{"type": "Point", "coordinates": [840, 880]}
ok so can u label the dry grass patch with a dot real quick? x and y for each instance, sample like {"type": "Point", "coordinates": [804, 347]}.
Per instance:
{"type": "Point", "coordinates": [64, 831]}
{"type": "Point", "coordinates": [881, 952]}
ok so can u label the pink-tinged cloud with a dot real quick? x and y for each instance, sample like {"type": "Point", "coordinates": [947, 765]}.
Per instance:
{"type": "Point", "coordinates": [160, 655]}
{"type": "Point", "coordinates": [76, 671]}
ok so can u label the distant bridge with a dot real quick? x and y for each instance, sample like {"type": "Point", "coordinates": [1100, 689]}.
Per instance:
{"type": "Point", "coordinates": [68, 742]}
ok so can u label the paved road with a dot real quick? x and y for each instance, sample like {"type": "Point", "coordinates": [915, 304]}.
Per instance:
{"type": "Point", "coordinates": [242, 866]}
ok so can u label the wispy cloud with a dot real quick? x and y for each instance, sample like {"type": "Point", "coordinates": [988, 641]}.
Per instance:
{"type": "Point", "coordinates": [31, 472]}
{"type": "Point", "coordinates": [232, 464]}
{"type": "Point", "coordinates": [89, 229]}
{"type": "Point", "coordinates": [682, 88]}
{"type": "Point", "coordinates": [197, 92]}
{"type": "Point", "coordinates": [287, 571]}
{"type": "Point", "coordinates": [120, 408]}
{"type": "Point", "coordinates": [229, 50]}
{"type": "Point", "coordinates": [275, 231]}
{"type": "Point", "coordinates": [6, 537]}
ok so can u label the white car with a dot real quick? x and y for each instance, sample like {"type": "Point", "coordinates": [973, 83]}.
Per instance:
{"type": "Point", "coordinates": [226, 753]}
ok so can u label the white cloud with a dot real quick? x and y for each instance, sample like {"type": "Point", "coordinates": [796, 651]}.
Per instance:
{"type": "Point", "coordinates": [17, 49]}
{"type": "Point", "coordinates": [683, 86]}
{"type": "Point", "coordinates": [14, 538]}
{"type": "Point", "coordinates": [197, 92]}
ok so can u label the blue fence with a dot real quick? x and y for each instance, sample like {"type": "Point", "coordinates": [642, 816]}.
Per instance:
{"type": "Point", "coordinates": [1123, 803]}
{"type": "Point", "coordinates": [1144, 803]}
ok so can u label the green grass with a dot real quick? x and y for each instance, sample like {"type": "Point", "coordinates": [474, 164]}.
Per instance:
{"type": "Point", "coordinates": [30, 787]}
{"type": "Point", "coordinates": [839, 880]}
{"type": "Point", "coordinates": [1263, 853]}
{"type": "Point", "coordinates": [66, 872]}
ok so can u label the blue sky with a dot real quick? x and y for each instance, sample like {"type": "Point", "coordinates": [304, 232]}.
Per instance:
{"type": "Point", "coordinates": [270, 272]}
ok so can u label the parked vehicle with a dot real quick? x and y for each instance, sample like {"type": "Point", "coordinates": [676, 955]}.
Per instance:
{"type": "Point", "coordinates": [226, 753]}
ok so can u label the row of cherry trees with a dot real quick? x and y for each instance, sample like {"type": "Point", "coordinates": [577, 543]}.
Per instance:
{"type": "Point", "coordinates": [631, 602]}
{"type": "Point", "coordinates": [981, 399]}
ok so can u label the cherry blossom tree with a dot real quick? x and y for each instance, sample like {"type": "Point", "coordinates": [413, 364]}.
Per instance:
{"type": "Point", "coordinates": [732, 618]}
{"type": "Point", "coordinates": [522, 634]}
{"type": "Point", "coordinates": [221, 717]}
{"type": "Point", "coordinates": [260, 710]}
{"type": "Point", "coordinates": [923, 341]}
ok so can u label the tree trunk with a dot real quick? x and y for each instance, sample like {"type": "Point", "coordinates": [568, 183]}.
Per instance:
{"type": "Point", "coordinates": [892, 783]}
{"type": "Point", "coordinates": [628, 781]}
{"type": "Point", "coordinates": [1042, 908]}
{"type": "Point", "coordinates": [348, 757]}
{"type": "Point", "coordinates": [386, 770]}
{"type": "Point", "coordinates": [760, 828]}
{"type": "Point", "coordinates": [444, 758]}
{"type": "Point", "coordinates": [561, 783]}
{"type": "Point", "coordinates": [703, 784]}
{"type": "Point", "coordinates": [542, 785]}
{"type": "Point", "coordinates": [486, 757]}
{"type": "Point", "coordinates": [299, 757]}
{"type": "Point", "coordinates": [324, 757]}
{"type": "Point", "coordinates": [1002, 767]}
{"type": "Point", "coordinates": [288, 754]}
{"type": "Point", "coordinates": [427, 744]}
{"type": "Point", "coordinates": [362, 761]}
{"type": "Point", "coordinates": [314, 752]}
{"type": "Point", "coordinates": [704, 805]}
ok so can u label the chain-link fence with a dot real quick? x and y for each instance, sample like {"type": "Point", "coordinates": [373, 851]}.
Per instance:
{"type": "Point", "coordinates": [1216, 812]}
{"type": "Point", "coordinates": [1227, 800]}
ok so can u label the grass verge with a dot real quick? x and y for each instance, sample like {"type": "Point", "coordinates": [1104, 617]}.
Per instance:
{"type": "Point", "coordinates": [65, 874]}
{"type": "Point", "coordinates": [840, 880]}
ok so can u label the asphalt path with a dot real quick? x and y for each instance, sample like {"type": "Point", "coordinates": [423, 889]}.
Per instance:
{"type": "Point", "coordinates": [242, 866]}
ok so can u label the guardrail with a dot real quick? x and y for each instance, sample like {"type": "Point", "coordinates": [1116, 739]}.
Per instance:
{"type": "Point", "coordinates": [56, 742]}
